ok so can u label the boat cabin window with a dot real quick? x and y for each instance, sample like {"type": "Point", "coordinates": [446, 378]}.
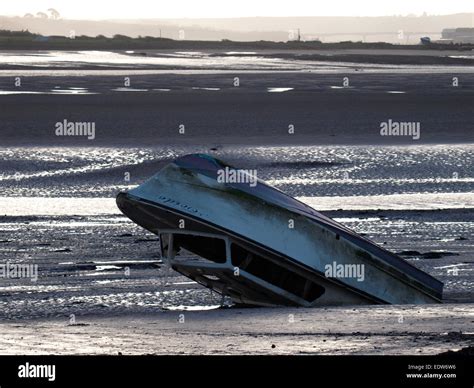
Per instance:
{"type": "Point", "coordinates": [275, 274]}
{"type": "Point", "coordinates": [209, 248]}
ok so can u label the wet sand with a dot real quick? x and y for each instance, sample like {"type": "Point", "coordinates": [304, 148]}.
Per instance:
{"type": "Point", "coordinates": [151, 111]}
{"type": "Point", "coordinates": [326, 97]}
{"type": "Point", "coordinates": [104, 265]}
{"type": "Point", "coordinates": [415, 330]}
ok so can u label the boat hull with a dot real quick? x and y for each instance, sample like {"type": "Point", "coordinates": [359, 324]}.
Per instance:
{"type": "Point", "coordinates": [280, 249]}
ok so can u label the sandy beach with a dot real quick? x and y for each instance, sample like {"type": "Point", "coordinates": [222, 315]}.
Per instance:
{"type": "Point", "coordinates": [414, 330]}
{"type": "Point", "coordinates": [223, 98]}
{"type": "Point", "coordinates": [244, 115]}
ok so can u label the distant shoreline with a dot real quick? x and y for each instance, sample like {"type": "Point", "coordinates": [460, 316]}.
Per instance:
{"type": "Point", "coordinates": [87, 43]}
{"type": "Point", "coordinates": [25, 40]}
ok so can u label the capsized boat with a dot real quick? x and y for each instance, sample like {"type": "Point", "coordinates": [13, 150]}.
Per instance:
{"type": "Point", "coordinates": [259, 246]}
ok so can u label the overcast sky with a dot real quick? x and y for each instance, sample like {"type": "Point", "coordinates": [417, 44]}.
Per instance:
{"type": "Point", "coordinates": [126, 9]}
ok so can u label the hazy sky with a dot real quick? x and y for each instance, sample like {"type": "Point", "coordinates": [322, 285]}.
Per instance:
{"type": "Point", "coordinates": [126, 9]}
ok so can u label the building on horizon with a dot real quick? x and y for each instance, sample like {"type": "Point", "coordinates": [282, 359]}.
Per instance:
{"type": "Point", "coordinates": [458, 35]}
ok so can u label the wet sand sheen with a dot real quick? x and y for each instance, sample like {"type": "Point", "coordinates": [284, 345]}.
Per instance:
{"type": "Point", "coordinates": [63, 206]}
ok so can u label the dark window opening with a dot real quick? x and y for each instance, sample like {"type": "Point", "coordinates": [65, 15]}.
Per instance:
{"type": "Point", "coordinates": [275, 274]}
{"type": "Point", "coordinates": [209, 248]}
